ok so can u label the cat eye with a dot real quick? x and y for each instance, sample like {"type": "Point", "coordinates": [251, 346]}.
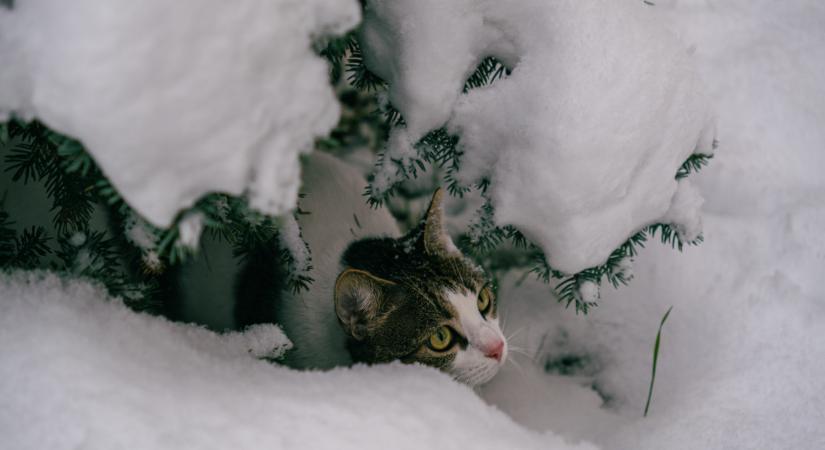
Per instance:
{"type": "Point", "coordinates": [485, 300]}
{"type": "Point", "coordinates": [441, 340]}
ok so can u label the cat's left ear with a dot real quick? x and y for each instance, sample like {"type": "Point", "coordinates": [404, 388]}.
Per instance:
{"type": "Point", "coordinates": [358, 297]}
{"type": "Point", "coordinates": [436, 238]}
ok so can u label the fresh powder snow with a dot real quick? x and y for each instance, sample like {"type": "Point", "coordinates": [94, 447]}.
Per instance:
{"type": "Point", "coordinates": [78, 369]}
{"type": "Point", "coordinates": [581, 142]}
{"type": "Point", "coordinates": [741, 360]}
{"type": "Point", "coordinates": [740, 367]}
{"type": "Point", "coordinates": [176, 100]}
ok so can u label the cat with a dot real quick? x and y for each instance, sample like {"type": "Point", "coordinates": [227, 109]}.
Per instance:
{"type": "Point", "coordinates": [377, 296]}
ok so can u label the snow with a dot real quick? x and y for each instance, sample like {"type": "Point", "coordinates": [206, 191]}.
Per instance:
{"type": "Point", "coordinates": [399, 152]}
{"type": "Point", "coordinates": [684, 211]}
{"type": "Point", "coordinates": [740, 364]}
{"type": "Point", "coordinates": [289, 235]}
{"type": "Point", "coordinates": [190, 228]}
{"type": "Point", "coordinates": [80, 370]}
{"type": "Point", "coordinates": [78, 239]}
{"type": "Point", "coordinates": [740, 361]}
{"type": "Point", "coordinates": [139, 233]}
{"type": "Point", "coordinates": [581, 142]}
{"type": "Point", "coordinates": [176, 101]}
{"type": "Point", "coordinates": [589, 292]}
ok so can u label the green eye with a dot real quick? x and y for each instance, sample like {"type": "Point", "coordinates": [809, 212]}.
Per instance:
{"type": "Point", "coordinates": [484, 300]}
{"type": "Point", "coordinates": [441, 339]}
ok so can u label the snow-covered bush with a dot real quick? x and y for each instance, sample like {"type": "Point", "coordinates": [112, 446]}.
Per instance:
{"type": "Point", "coordinates": [577, 147]}
{"type": "Point", "coordinates": [740, 365]}
{"type": "Point", "coordinates": [177, 100]}
{"type": "Point", "coordinates": [573, 128]}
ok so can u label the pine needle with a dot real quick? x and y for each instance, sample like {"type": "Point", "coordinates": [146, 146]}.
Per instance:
{"type": "Point", "coordinates": [655, 360]}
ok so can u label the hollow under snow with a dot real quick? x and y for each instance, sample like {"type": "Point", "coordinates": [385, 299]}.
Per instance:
{"type": "Point", "coordinates": [581, 142]}
{"type": "Point", "coordinates": [177, 100]}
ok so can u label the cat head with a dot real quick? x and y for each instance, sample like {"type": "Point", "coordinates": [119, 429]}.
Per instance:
{"type": "Point", "coordinates": [418, 299]}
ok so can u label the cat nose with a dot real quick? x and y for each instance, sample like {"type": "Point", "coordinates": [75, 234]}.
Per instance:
{"type": "Point", "coordinates": [495, 351]}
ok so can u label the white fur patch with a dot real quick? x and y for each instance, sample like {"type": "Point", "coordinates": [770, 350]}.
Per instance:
{"type": "Point", "coordinates": [471, 366]}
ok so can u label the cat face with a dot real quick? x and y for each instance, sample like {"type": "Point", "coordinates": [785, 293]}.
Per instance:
{"type": "Point", "coordinates": [417, 299]}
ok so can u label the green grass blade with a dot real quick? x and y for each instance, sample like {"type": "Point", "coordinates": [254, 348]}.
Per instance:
{"type": "Point", "coordinates": [655, 360]}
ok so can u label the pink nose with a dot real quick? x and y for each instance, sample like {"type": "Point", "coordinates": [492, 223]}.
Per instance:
{"type": "Point", "coordinates": [495, 351]}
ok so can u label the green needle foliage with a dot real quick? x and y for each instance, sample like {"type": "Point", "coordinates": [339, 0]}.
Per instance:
{"type": "Point", "coordinates": [500, 248]}
{"type": "Point", "coordinates": [77, 189]}
{"type": "Point", "coordinates": [693, 164]}
{"type": "Point", "coordinates": [655, 360]}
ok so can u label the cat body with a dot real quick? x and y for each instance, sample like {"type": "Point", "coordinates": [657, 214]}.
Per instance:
{"type": "Point", "coordinates": [376, 295]}
{"type": "Point", "coordinates": [337, 215]}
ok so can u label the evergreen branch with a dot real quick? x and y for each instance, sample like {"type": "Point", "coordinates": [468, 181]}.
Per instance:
{"type": "Point", "coordinates": [357, 73]}
{"type": "Point", "coordinates": [488, 71]}
{"type": "Point", "coordinates": [23, 251]}
{"type": "Point", "coordinates": [7, 238]}
{"type": "Point", "coordinates": [34, 156]}
{"type": "Point", "coordinates": [25, 161]}
{"type": "Point", "coordinates": [694, 163]}
{"type": "Point", "coordinates": [669, 236]}
{"type": "Point", "coordinates": [90, 254]}
{"type": "Point", "coordinates": [393, 117]}
{"type": "Point", "coordinates": [335, 51]}
{"type": "Point", "coordinates": [30, 246]}
{"type": "Point", "coordinates": [75, 159]}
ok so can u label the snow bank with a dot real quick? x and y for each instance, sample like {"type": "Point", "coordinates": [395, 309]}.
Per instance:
{"type": "Point", "coordinates": [178, 100]}
{"type": "Point", "coordinates": [741, 359]}
{"type": "Point", "coordinates": [741, 363]}
{"type": "Point", "coordinates": [78, 370]}
{"type": "Point", "coordinates": [581, 142]}
{"type": "Point", "coordinates": [764, 64]}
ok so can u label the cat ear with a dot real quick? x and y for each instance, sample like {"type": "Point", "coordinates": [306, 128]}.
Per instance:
{"type": "Point", "coordinates": [436, 238]}
{"type": "Point", "coordinates": [358, 297]}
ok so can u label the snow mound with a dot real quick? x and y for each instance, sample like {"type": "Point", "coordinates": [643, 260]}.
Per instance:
{"type": "Point", "coordinates": [581, 142]}
{"type": "Point", "coordinates": [741, 360]}
{"type": "Point", "coordinates": [764, 64]}
{"type": "Point", "coordinates": [740, 363]}
{"type": "Point", "coordinates": [80, 370]}
{"type": "Point", "coordinates": [178, 100]}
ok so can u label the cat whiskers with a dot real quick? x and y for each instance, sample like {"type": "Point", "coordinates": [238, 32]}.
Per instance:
{"type": "Point", "coordinates": [513, 334]}
{"type": "Point", "coordinates": [523, 352]}
{"type": "Point", "coordinates": [477, 374]}
{"type": "Point", "coordinates": [516, 365]}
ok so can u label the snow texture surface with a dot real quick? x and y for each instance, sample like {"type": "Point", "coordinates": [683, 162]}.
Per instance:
{"type": "Point", "coordinates": [178, 100]}
{"type": "Point", "coordinates": [741, 363]}
{"type": "Point", "coordinates": [78, 370]}
{"type": "Point", "coordinates": [581, 142]}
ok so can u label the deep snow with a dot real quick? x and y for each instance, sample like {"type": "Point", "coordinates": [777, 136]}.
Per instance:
{"type": "Point", "coordinates": [741, 364]}
{"type": "Point", "coordinates": [743, 352]}
{"type": "Point", "coordinates": [80, 371]}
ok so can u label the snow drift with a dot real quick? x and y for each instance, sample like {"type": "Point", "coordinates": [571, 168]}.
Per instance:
{"type": "Point", "coordinates": [176, 100]}
{"type": "Point", "coordinates": [78, 369]}
{"type": "Point", "coordinates": [742, 360]}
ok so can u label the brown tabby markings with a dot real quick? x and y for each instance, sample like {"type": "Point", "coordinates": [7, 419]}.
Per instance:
{"type": "Point", "coordinates": [392, 296]}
